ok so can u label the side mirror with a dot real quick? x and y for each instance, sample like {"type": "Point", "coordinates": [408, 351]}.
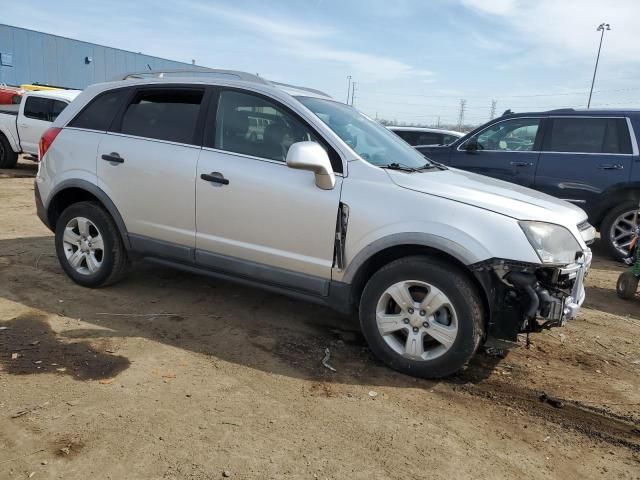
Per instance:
{"type": "Point", "coordinates": [471, 146]}
{"type": "Point", "coordinates": [311, 156]}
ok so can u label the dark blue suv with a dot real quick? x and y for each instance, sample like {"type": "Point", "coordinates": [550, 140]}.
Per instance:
{"type": "Point", "coordinates": [586, 157]}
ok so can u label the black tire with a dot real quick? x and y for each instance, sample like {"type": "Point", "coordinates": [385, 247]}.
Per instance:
{"type": "Point", "coordinates": [627, 285]}
{"type": "Point", "coordinates": [8, 158]}
{"type": "Point", "coordinates": [464, 298]}
{"type": "Point", "coordinates": [114, 256]}
{"type": "Point", "coordinates": [607, 225]}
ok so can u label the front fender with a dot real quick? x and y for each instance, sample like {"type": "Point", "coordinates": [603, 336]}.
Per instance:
{"type": "Point", "coordinates": [468, 254]}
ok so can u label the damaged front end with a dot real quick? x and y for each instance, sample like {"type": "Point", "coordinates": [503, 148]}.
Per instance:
{"type": "Point", "coordinates": [527, 298]}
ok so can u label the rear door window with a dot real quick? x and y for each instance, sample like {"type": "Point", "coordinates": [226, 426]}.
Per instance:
{"type": "Point", "coordinates": [587, 135]}
{"type": "Point", "coordinates": [99, 114]}
{"type": "Point", "coordinates": [164, 114]}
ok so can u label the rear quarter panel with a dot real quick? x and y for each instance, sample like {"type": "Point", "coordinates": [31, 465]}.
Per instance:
{"type": "Point", "coordinates": [72, 155]}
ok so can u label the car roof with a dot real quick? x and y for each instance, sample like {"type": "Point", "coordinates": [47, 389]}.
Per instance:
{"type": "Point", "coordinates": [578, 112]}
{"type": "Point", "coordinates": [216, 77]}
{"type": "Point", "coordinates": [68, 95]}
{"type": "Point", "coordinates": [425, 129]}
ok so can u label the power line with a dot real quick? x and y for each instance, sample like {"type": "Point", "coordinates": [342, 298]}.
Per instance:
{"type": "Point", "coordinates": [576, 93]}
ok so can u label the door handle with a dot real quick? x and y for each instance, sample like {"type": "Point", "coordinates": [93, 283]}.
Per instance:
{"type": "Point", "coordinates": [522, 164]}
{"type": "Point", "coordinates": [215, 177]}
{"type": "Point", "coordinates": [113, 157]}
{"type": "Point", "coordinates": [23, 125]}
{"type": "Point", "coordinates": [610, 166]}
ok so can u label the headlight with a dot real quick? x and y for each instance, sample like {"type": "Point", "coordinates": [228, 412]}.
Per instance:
{"type": "Point", "coordinates": [553, 243]}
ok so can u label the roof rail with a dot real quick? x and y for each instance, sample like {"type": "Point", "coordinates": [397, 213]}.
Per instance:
{"type": "Point", "coordinates": [193, 72]}
{"type": "Point", "coordinates": [304, 89]}
{"type": "Point", "coordinates": [562, 110]}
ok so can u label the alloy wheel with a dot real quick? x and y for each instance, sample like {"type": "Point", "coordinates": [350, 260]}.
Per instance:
{"type": "Point", "coordinates": [622, 231]}
{"type": "Point", "coordinates": [83, 245]}
{"type": "Point", "coordinates": [416, 320]}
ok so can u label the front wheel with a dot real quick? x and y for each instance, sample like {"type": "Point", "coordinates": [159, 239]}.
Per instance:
{"type": "Point", "coordinates": [422, 317]}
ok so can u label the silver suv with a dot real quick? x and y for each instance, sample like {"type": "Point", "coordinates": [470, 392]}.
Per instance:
{"type": "Point", "coordinates": [325, 205]}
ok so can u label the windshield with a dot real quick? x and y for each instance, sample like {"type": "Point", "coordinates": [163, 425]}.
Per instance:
{"type": "Point", "coordinates": [373, 142]}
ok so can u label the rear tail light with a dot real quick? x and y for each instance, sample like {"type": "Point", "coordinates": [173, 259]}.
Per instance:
{"type": "Point", "coordinates": [47, 139]}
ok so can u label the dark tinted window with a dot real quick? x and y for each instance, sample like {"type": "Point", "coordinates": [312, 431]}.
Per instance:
{"type": "Point", "coordinates": [254, 126]}
{"type": "Point", "coordinates": [38, 108]}
{"type": "Point", "coordinates": [169, 114]}
{"type": "Point", "coordinates": [588, 135]}
{"type": "Point", "coordinates": [99, 114]}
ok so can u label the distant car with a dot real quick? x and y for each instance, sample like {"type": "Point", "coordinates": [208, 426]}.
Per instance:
{"type": "Point", "coordinates": [10, 95]}
{"type": "Point", "coordinates": [587, 157]}
{"type": "Point", "coordinates": [422, 136]}
{"type": "Point", "coordinates": [21, 126]}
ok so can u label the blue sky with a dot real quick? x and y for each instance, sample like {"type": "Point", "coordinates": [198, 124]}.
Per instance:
{"type": "Point", "coordinates": [412, 60]}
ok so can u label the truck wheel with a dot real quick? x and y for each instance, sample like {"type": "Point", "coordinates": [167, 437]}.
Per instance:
{"type": "Point", "coordinates": [8, 158]}
{"type": "Point", "coordinates": [627, 285]}
{"type": "Point", "coordinates": [422, 317]}
{"type": "Point", "coordinates": [89, 246]}
{"type": "Point", "coordinates": [617, 229]}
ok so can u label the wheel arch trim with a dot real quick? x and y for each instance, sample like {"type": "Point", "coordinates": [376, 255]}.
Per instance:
{"type": "Point", "coordinates": [457, 251]}
{"type": "Point", "coordinates": [104, 199]}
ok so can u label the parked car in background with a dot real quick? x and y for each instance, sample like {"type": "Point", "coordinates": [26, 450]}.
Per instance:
{"type": "Point", "coordinates": [587, 157]}
{"type": "Point", "coordinates": [22, 125]}
{"type": "Point", "coordinates": [10, 95]}
{"type": "Point", "coordinates": [423, 136]}
{"type": "Point", "coordinates": [328, 206]}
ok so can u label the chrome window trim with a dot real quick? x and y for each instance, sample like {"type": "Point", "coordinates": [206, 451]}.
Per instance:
{"type": "Point", "coordinates": [253, 157]}
{"type": "Point", "coordinates": [634, 140]}
{"type": "Point", "coordinates": [157, 140]}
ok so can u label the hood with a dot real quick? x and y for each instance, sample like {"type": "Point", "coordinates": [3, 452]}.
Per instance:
{"type": "Point", "coordinates": [488, 193]}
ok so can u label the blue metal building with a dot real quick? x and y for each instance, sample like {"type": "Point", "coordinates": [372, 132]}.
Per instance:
{"type": "Point", "coordinates": [27, 56]}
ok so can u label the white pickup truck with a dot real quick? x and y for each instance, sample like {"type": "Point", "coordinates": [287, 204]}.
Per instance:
{"type": "Point", "coordinates": [22, 125]}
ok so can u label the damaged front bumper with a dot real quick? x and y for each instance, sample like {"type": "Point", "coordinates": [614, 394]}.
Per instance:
{"type": "Point", "coordinates": [530, 297]}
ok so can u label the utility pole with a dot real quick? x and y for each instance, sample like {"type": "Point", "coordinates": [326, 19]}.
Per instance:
{"type": "Point", "coordinates": [348, 87]}
{"type": "Point", "coordinates": [492, 115]}
{"type": "Point", "coordinates": [463, 106]}
{"type": "Point", "coordinates": [438, 125]}
{"type": "Point", "coordinates": [353, 92]}
{"type": "Point", "coordinates": [601, 28]}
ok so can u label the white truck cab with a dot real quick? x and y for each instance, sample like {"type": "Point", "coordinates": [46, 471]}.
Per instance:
{"type": "Point", "coordinates": [22, 125]}
{"type": "Point", "coordinates": [325, 205]}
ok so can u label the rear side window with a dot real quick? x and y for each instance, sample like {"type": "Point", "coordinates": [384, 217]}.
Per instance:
{"type": "Point", "coordinates": [38, 108]}
{"type": "Point", "coordinates": [163, 114]}
{"type": "Point", "coordinates": [99, 114]}
{"type": "Point", "coordinates": [587, 135]}
{"type": "Point", "coordinates": [56, 108]}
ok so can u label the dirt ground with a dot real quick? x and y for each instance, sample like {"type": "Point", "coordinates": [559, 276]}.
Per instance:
{"type": "Point", "coordinates": [175, 376]}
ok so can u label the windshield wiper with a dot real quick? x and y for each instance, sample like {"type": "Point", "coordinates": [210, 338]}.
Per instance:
{"type": "Point", "coordinates": [399, 166]}
{"type": "Point", "coordinates": [431, 165]}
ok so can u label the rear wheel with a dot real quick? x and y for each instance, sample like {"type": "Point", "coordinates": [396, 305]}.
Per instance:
{"type": "Point", "coordinates": [8, 158]}
{"type": "Point", "coordinates": [89, 246]}
{"type": "Point", "coordinates": [618, 229]}
{"type": "Point", "coordinates": [422, 317]}
{"type": "Point", "coordinates": [627, 285]}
